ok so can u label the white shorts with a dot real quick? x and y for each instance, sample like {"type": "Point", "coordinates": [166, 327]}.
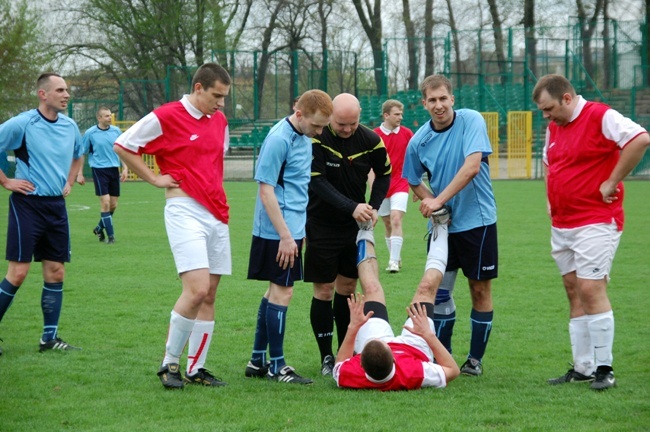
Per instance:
{"type": "Point", "coordinates": [399, 201]}
{"type": "Point", "coordinates": [197, 239]}
{"type": "Point", "coordinates": [587, 250]}
{"type": "Point", "coordinates": [378, 328]}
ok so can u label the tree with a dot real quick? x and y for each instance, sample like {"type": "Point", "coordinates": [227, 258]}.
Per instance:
{"type": "Point", "coordinates": [22, 57]}
{"type": "Point", "coordinates": [370, 17]}
{"type": "Point", "coordinates": [428, 38]}
{"type": "Point", "coordinates": [138, 43]}
{"type": "Point", "coordinates": [587, 25]}
{"type": "Point", "coordinates": [531, 41]}
{"type": "Point", "coordinates": [411, 45]}
{"type": "Point", "coordinates": [498, 39]}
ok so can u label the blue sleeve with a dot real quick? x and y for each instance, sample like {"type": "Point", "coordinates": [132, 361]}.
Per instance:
{"type": "Point", "coordinates": [412, 170]}
{"type": "Point", "coordinates": [85, 141]}
{"type": "Point", "coordinates": [78, 143]}
{"type": "Point", "coordinates": [269, 162]}
{"type": "Point", "coordinates": [12, 132]}
{"type": "Point", "coordinates": [475, 135]}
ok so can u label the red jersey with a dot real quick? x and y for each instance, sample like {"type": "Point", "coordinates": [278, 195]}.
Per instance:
{"type": "Point", "coordinates": [189, 147]}
{"type": "Point", "coordinates": [580, 158]}
{"type": "Point", "coordinates": [396, 144]}
{"type": "Point", "coordinates": [409, 372]}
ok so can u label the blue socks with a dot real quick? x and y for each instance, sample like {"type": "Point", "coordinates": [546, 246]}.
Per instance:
{"type": "Point", "coordinates": [481, 323]}
{"type": "Point", "coordinates": [7, 294]}
{"type": "Point", "coordinates": [51, 302]}
{"type": "Point", "coordinates": [106, 221]}
{"type": "Point", "coordinates": [445, 328]}
{"type": "Point", "coordinates": [276, 319]}
{"type": "Point", "coordinates": [258, 358]}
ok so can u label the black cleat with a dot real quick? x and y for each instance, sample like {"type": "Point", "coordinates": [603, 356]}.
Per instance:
{"type": "Point", "coordinates": [111, 240]}
{"type": "Point", "coordinates": [472, 367]}
{"type": "Point", "coordinates": [100, 234]}
{"type": "Point", "coordinates": [288, 375]}
{"type": "Point", "coordinates": [170, 376]}
{"type": "Point", "coordinates": [56, 344]}
{"type": "Point", "coordinates": [604, 378]}
{"type": "Point", "coordinates": [328, 365]}
{"type": "Point", "coordinates": [571, 377]}
{"type": "Point", "coordinates": [253, 371]}
{"type": "Point", "coordinates": [204, 377]}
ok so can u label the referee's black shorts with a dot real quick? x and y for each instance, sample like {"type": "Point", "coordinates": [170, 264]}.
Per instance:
{"type": "Point", "coordinates": [330, 251]}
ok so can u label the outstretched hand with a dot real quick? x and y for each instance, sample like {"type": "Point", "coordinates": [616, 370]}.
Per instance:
{"type": "Point", "coordinates": [357, 317]}
{"type": "Point", "coordinates": [418, 314]}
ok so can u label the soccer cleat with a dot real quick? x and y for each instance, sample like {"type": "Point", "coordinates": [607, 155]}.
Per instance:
{"type": "Point", "coordinates": [571, 377]}
{"type": "Point", "coordinates": [288, 375]}
{"type": "Point", "coordinates": [253, 371]}
{"type": "Point", "coordinates": [328, 365]}
{"type": "Point", "coordinates": [111, 240]}
{"type": "Point", "coordinates": [170, 376]}
{"type": "Point", "coordinates": [204, 377]}
{"type": "Point", "coordinates": [56, 344]}
{"type": "Point", "coordinates": [604, 378]}
{"type": "Point", "coordinates": [472, 367]}
{"type": "Point", "coordinates": [393, 267]}
{"type": "Point", "coordinates": [100, 234]}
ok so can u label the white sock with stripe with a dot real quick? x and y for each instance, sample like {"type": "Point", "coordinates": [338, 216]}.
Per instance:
{"type": "Point", "coordinates": [199, 343]}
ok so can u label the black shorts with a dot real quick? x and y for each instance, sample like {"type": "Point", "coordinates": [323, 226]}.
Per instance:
{"type": "Point", "coordinates": [262, 264]}
{"type": "Point", "coordinates": [475, 252]}
{"type": "Point", "coordinates": [107, 181]}
{"type": "Point", "coordinates": [330, 251]}
{"type": "Point", "coordinates": [37, 227]}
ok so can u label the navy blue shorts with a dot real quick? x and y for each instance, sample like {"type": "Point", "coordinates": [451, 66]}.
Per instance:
{"type": "Point", "coordinates": [330, 251]}
{"type": "Point", "coordinates": [475, 252]}
{"type": "Point", "coordinates": [107, 181]}
{"type": "Point", "coordinates": [37, 227]}
{"type": "Point", "coordinates": [263, 266]}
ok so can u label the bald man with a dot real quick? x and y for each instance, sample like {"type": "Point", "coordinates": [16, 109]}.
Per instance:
{"type": "Point", "coordinates": [343, 156]}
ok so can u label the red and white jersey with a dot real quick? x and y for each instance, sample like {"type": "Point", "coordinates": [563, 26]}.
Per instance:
{"type": "Point", "coordinates": [189, 146]}
{"type": "Point", "coordinates": [580, 156]}
{"type": "Point", "coordinates": [413, 370]}
{"type": "Point", "coordinates": [396, 141]}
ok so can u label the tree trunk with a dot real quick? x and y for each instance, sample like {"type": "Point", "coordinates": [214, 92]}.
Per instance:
{"type": "Point", "coordinates": [531, 41]}
{"type": "Point", "coordinates": [411, 46]}
{"type": "Point", "coordinates": [266, 56]}
{"type": "Point", "coordinates": [587, 28]}
{"type": "Point", "coordinates": [498, 40]}
{"type": "Point", "coordinates": [456, 42]}
{"type": "Point", "coordinates": [428, 38]}
{"type": "Point", "coordinates": [372, 26]}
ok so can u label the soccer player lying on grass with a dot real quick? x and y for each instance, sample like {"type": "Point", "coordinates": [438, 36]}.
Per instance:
{"type": "Point", "coordinates": [415, 358]}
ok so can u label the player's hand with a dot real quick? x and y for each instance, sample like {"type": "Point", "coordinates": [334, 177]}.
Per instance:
{"type": "Point", "coordinates": [287, 253]}
{"type": "Point", "coordinates": [363, 212]}
{"type": "Point", "coordinates": [67, 189]}
{"type": "Point", "coordinates": [124, 175]}
{"type": "Point", "coordinates": [357, 317]}
{"type": "Point", "coordinates": [429, 205]}
{"type": "Point", "coordinates": [609, 190]}
{"type": "Point", "coordinates": [21, 186]}
{"type": "Point", "coordinates": [418, 314]}
{"type": "Point", "coordinates": [81, 179]}
{"type": "Point", "coordinates": [166, 181]}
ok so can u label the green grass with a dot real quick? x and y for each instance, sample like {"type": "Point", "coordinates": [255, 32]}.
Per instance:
{"type": "Point", "coordinates": [118, 300]}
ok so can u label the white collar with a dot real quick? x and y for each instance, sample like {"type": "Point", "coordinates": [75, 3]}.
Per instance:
{"type": "Point", "coordinates": [388, 378]}
{"type": "Point", "coordinates": [191, 109]}
{"type": "Point", "coordinates": [387, 131]}
{"type": "Point", "coordinates": [578, 109]}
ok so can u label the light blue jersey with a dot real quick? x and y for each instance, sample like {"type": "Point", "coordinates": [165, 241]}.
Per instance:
{"type": "Point", "coordinates": [284, 162]}
{"type": "Point", "coordinates": [441, 154]}
{"type": "Point", "coordinates": [98, 144]}
{"type": "Point", "coordinates": [44, 149]}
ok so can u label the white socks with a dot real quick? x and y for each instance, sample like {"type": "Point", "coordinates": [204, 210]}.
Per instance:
{"type": "Point", "coordinates": [199, 343]}
{"type": "Point", "coordinates": [395, 248]}
{"type": "Point", "coordinates": [592, 340]}
{"type": "Point", "coordinates": [179, 332]}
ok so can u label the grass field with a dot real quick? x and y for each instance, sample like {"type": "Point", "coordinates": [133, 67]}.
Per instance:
{"type": "Point", "coordinates": [118, 298]}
